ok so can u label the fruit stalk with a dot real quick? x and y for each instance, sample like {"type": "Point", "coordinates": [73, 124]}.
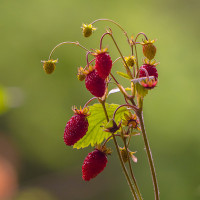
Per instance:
{"type": "Point", "coordinates": [149, 154]}
{"type": "Point", "coordinates": [120, 158]}
{"type": "Point", "coordinates": [131, 171]}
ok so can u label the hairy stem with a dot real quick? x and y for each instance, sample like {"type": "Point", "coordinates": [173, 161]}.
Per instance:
{"type": "Point", "coordinates": [149, 155]}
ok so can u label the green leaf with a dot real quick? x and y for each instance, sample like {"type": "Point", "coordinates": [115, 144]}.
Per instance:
{"type": "Point", "coordinates": [96, 134]}
{"type": "Point", "coordinates": [124, 75]}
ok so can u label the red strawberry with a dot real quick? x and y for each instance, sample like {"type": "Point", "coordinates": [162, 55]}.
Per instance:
{"type": "Point", "coordinates": [76, 127]}
{"type": "Point", "coordinates": [94, 163]}
{"type": "Point", "coordinates": [103, 63]}
{"type": "Point", "coordinates": [95, 84]}
{"type": "Point", "coordinates": [149, 70]}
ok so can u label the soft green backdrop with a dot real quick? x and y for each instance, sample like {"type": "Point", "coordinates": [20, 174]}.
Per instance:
{"type": "Point", "coordinates": [30, 29]}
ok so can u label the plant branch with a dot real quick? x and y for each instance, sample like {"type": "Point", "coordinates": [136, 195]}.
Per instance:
{"type": "Point", "coordinates": [118, 152]}
{"type": "Point", "coordinates": [76, 43]}
{"type": "Point", "coordinates": [131, 171]}
{"type": "Point", "coordinates": [149, 155]}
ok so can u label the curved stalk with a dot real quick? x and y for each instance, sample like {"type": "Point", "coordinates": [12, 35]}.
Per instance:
{"type": "Point", "coordinates": [125, 33]}
{"type": "Point", "coordinates": [60, 44]}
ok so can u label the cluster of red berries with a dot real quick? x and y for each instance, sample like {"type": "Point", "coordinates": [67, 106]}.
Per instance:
{"type": "Point", "coordinates": [96, 81]}
{"type": "Point", "coordinates": [95, 77]}
{"type": "Point", "coordinates": [75, 129]}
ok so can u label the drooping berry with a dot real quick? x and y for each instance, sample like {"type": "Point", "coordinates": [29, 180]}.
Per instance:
{"type": "Point", "coordinates": [76, 127]}
{"type": "Point", "coordinates": [103, 63]}
{"type": "Point", "coordinates": [148, 70]}
{"type": "Point", "coordinates": [95, 84]}
{"type": "Point", "coordinates": [149, 49]}
{"type": "Point", "coordinates": [49, 66]}
{"type": "Point", "coordinates": [87, 30]}
{"type": "Point", "coordinates": [94, 163]}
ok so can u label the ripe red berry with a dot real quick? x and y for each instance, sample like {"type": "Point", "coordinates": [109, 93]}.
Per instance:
{"type": "Point", "coordinates": [76, 127]}
{"type": "Point", "coordinates": [152, 71]}
{"type": "Point", "coordinates": [103, 63]}
{"type": "Point", "coordinates": [94, 163]}
{"type": "Point", "coordinates": [95, 84]}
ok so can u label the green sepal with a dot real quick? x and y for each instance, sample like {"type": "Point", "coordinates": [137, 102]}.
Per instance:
{"type": "Point", "coordinates": [124, 75]}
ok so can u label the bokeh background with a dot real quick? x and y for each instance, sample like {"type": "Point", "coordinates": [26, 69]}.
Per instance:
{"type": "Point", "coordinates": [34, 107]}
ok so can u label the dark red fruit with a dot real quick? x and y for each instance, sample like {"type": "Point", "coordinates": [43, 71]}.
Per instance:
{"type": "Point", "coordinates": [95, 84]}
{"type": "Point", "coordinates": [94, 163]}
{"type": "Point", "coordinates": [75, 129]}
{"type": "Point", "coordinates": [103, 64]}
{"type": "Point", "coordinates": [152, 71]}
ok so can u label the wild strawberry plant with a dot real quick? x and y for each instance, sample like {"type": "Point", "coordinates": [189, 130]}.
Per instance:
{"type": "Point", "coordinates": [101, 123]}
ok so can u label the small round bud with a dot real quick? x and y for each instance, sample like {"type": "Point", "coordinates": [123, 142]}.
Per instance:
{"type": "Point", "coordinates": [81, 74]}
{"type": "Point", "coordinates": [49, 66]}
{"type": "Point", "coordinates": [124, 154]}
{"type": "Point", "coordinates": [87, 30]}
{"type": "Point", "coordinates": [130, 60]}
{"type": "Point", "coordinates": [149, 50]}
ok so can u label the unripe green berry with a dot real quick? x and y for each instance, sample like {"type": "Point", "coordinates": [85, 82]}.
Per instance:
{"type": "Point", "coordinates": [49, 66]}
{"type": "Point", "coordinates": [87, 30]}
{"type": "Point", "coordinates": [149, 49]}
{"type": "Point", "coordinates": [130, 60]}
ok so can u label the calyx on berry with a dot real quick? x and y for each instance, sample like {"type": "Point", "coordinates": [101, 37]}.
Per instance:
{"type": "Point", "coordinates": [149, 49]}
{"type": "Point", "coordinates": [147, 70]}
{"type": "Point", "coordinates": [49, 65]}
{"type": "Point", "coordinates": [77, 126]}
{"type": "Point", "coordinates": [87, 30]}
{"type": "Point", "coordinates": [131, 121]}
{"type": "Point", "coordinates": [127, 153]}
{"type": "Point", "coordinates": [81, 74]}
{"type": "Point", "coordinates": [111, 126]}
{"type": "Point", "coordinates": [103, 62]}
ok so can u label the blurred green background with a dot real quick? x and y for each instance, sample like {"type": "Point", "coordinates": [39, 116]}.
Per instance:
{"type": "Point", "coordinates": [34, 161]}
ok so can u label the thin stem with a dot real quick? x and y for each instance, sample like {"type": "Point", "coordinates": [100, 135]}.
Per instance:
{"type": "Point", "coordinates": [87, 54]}
{"type": "Point", "coordinates": [116, 60]}
{"type": "Point", "coordinates": [131, 171]}
{"type": "Point", "coordinates": [114, 79]}
{"type": "Point", "coordinates": [89, 101]}
{"type": "Point", "coordinates": [111, 137]}
{"type": "Point", "coordinates": [124, 168]}
{"type": "Point", "coordinates": [125, 64]}
{"type": "Point", "coordinates": [135, 108]}
{"type": "Point", "coordinates": [104, 109]}
{"type": "Point", "coordinates": [149, 155]}
{"type": "Point", "coordinates": [136, 57]}
{"type": "Point", "coordinates": [141, 33]}
{"type": "Point", "coordinates": [125, 33]}
{"type": "Point", "coordinates": [101, 40]}
{"type": "Point", "coordinates": [76, 43]}
{"type": "Point", "coordinates": [89, 63]}
{"type": "Point", "coordinates": [120, 158]}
